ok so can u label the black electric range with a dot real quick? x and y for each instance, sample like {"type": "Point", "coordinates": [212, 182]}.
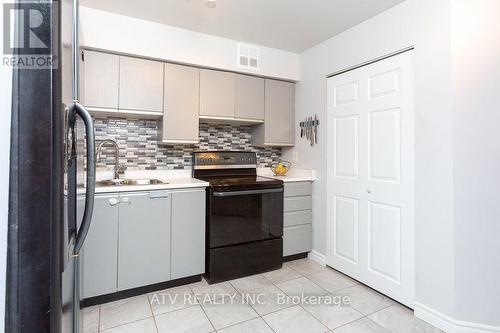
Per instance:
{"type": "Point", "coordinates": [244, 217]}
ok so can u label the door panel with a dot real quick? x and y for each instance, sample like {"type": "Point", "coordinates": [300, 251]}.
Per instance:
{"type": "Point", "coordinates": [384, 225]}
{"type": "Point", "coordinates": [346, 93]}
{"type": "Point", "coordinates": [246, 218]}
{"type": "Point", "coordinates": [100, 250]}
{"type": "Point", "coordinates": [188, 233]}
{"type": "Point", "coordinates": [180, 121]}
{"type": "Point", "coordinates": [346, 142]}
{"type": "Point", "coordinates": [279, 112]}
{"type": "Point", "coordinates": [217, 93]}
{"type": "Point", "coordinates": [249, 98]}
{"type": "Point", "coordinates": [295, 189]}
{"type": "Point", "coordinates": [297, 218]}
{"type": "Point", "coordinates": [371, 175]}
{"type": "Point", "coordinates": [384, 84]}
{"type": "Point", "coordinates": [100, 76]}
{"type": "Point", "coordinates": [141, 84]}
{"type": "Point", "coordinates": [346, 228]}
{"type": "Point", "coordinates": [297, 239]}
{"type": "Point", "coordinates": [384, 127]}
{"type": "Point", "coordinates": [297, 203]}
{"type": "Point", "coordinates": [144, 232]}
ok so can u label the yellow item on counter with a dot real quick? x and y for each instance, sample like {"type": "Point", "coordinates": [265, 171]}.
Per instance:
{"type": "Point", "coordinates": [281, 168]}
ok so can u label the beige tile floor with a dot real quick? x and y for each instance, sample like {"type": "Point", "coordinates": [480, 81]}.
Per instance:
{"type": "Point", "coordinates": [204, 308]}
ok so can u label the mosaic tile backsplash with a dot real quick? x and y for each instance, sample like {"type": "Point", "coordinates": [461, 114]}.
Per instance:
{"type": "Point", "coordinates": [139, 147]}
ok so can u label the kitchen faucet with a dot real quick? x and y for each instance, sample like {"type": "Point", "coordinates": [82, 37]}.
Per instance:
{"type": "Point", "coordinates": [119, 169]}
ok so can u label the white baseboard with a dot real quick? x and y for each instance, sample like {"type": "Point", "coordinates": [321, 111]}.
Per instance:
{"type": "Point", "coordinates": [436, 319]}
{"type": "Point", "coordinates": [448, 324]}
{"type": "Point", "coordinates": [317, 257]}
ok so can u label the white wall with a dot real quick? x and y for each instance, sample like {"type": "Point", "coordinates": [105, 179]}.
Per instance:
{"type": "Point", "coordinates": [434, 238]}
{"type": "Point", "coordinates": [123, 34]}
{"type": "Point", "coordinates": [476, 143]}
{"type": "Point", "coordinates": [457, 75]}
{"type": "Point", "coordinates": [5, 110]}
{"type": "Point", "coordinates": [422, 23]}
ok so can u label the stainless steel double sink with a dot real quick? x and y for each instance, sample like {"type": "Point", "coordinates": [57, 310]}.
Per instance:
{"type": "Point", "coordinates": [129, 182]}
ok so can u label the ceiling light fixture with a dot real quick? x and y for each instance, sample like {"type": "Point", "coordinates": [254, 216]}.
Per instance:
{"type": "Point", "coordinates": [211, 3]}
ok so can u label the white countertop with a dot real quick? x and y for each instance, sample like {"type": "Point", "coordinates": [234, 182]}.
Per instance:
{"type": "Point", "coordinates": [293, 175]}
{"type": "Point", "coordinates": [174, 179]}
{"type": "Point", "coordinates": [178, 179]}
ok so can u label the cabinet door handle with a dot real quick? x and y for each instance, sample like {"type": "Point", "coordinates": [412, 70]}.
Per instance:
{"type": "Point", "coordinates": [125, 200]}
{"type": "Point", "coordinates": [158, 194]}
{"type": "Point", "coordinates": [235, 193]}
{"type": "Point", "coordinates": [113, 201]}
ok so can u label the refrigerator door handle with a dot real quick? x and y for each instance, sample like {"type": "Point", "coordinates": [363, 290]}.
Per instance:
{"type": "Point", "coordinates": [90, 181]}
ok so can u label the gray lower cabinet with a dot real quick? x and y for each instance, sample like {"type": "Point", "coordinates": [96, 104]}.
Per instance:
{"type": "Point", "coordinates": [297, 217]}
{"type": "Point", "coordinates": [188, 233]}
{"type": "Point", "coordinates": [144, 239]}
{"type": "Point", "coordinates": [100, 257]}
{"type": "Point", "coordinates": [297, 232]}
{"type": "Point", "coordinates": [296, 189]}
{"type": "Point", "coordinates": [297, 239]}
{"type": "Point", "coordinates": [297, 203]}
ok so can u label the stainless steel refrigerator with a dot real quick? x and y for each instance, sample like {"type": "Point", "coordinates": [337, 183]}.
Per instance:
{"type": "Point", "coordinates": [79, 169]}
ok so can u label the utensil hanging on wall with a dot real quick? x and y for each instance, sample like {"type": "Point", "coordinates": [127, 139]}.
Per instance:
{"type": "Point", "coordinates": [315, 129]}
{"type": "Point", "coordinates": [309, 122]}
{"type": "Point", "coordinates": [309, 129]}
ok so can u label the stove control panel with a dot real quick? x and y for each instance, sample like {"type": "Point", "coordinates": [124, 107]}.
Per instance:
{"type": "Point", "coordinates": [224, 159]}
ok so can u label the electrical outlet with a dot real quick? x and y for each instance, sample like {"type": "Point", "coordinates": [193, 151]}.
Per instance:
{"type": "Point", "coordinates": [295, 156]}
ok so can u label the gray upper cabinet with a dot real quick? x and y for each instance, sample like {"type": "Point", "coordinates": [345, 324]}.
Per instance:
{"type": "Point", "coordinates": [249, 100]}
{"type": "Point", "coordinates": [278, 127]}
{"type": "Point", "coordinates": [100, 257]}
{"type": "Point", "coordinates": [181, 104]}
{"type": "Point", "coordinates": [188, 233]}
{"type": "Point", "coordinates": [100, 74]}
{"type": "Point", "coordinates": [144, 239]}
{"type": "Point", "coordinates": [141, 85]}
{"type": "Point", "coordinates": [182, 95]}
{"type": "Point", "coordinates": [217, 93]}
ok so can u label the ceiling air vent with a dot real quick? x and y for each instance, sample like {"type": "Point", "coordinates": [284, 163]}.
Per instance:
{"type": "Point", "coordinates": [248, 56]}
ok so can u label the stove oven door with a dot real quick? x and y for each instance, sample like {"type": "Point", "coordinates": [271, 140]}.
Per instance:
{"type": "Point", "coordinates": [244, 215]}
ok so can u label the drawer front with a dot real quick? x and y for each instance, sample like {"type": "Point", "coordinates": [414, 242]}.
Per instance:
{"type": "Point", "coordinates": [297, 203]}
{"type": "Point", "coordinates": [297, 218]}
{"type": "Point", "coordinates": [297, 239]}
{"type": "Point", "coordinates": [297, 188]}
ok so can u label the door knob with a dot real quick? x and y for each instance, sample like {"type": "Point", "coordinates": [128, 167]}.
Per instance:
{"type": "Point", "coordinates": [369, 190]}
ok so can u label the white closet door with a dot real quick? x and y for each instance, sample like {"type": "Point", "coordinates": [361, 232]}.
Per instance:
{"type": "Point", "coordinates": [371, 176]}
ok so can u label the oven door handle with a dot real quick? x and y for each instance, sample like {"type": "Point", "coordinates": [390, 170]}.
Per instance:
{"type": "Point", "coordinates": [235, 193]}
